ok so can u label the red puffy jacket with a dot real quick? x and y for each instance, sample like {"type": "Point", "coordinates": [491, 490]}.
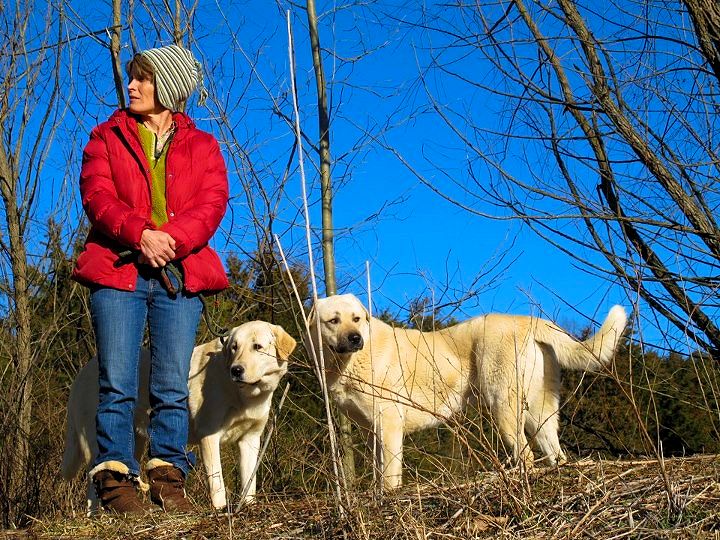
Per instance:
{"type": "Point", "coordinates": [115, 189]}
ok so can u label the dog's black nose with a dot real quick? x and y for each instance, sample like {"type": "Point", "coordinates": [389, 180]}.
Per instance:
{"type": "Point", "coordinates": [237, 372]}
{"type": "Point", "coordinates": [355, 340]}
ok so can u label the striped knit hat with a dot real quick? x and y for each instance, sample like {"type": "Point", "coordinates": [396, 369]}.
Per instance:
{"type": "Point", "coordinates": [177, 74]}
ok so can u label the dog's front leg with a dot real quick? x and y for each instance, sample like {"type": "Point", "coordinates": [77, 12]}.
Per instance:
{"type": "Point", "coordinates": [392, 446]}
{"type": "Point", "coordinates": [210, 454]}
{"type": "Point", "coordinates": [249, 447]}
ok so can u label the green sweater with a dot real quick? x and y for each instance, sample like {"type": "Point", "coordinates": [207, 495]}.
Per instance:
{"type": "Point", "coordinates": [157, 172]}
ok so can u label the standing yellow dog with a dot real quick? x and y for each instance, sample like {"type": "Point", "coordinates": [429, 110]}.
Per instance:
{"type": "Point", "coordinates": [231, 388]}
{"type": "Point", "coordinates": [395, 381]}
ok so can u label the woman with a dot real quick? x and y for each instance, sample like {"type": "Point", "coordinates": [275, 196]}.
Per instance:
{"type": "Point", "coordinates": [155, 186]}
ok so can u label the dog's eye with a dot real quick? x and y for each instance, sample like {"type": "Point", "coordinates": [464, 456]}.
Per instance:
{"type": "Point", "coordinates": [257, 346]}
{"type": "Point", "coordinates": [234, 348]}
{"type": "Point", "coordinates": [356, 319]}
{"type": "Point", "coordinates": [334, 320]}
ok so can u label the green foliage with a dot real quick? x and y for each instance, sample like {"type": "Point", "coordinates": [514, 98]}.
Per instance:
{"type": "Point", "coordinates": [61, 321]}
{"type": "Point", "coordinates": [674, 398]}
{"type": "Point", "coordinates": [61, 342]}
{"type": "Point", "coordinates": [647, 400]}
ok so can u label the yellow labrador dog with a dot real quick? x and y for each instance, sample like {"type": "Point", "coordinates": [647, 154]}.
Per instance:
{"type": "Point", "coordinates": [396, 381]}
{"type": "Point", "coordinates": [231, 390]}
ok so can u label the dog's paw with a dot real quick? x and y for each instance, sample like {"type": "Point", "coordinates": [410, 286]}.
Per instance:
{"type": "Point", "coordinates": [230, 508]}
{"type": "Point", "coordinates": [235, 507]}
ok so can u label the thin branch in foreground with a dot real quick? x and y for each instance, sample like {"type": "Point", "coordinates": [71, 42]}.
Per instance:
{"type": "Point", "coordinates": [317, 355]}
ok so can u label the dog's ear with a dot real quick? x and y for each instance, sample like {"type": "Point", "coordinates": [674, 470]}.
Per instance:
{"type": "Point", "coordinates": [284, 343]}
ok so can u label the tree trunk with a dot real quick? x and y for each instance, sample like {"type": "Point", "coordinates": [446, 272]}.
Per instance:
{"type": "Point", "coordinates": [177, 29]}
{"type": "Point", "coordinates": [115, 52]}
{"type": "Point", "coordinates": [22, 380]}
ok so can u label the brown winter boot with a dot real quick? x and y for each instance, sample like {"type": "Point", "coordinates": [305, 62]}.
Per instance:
{"type": "Point", "coordinates": [167, 486]}
{"type": "Point", "coordinates": [117, 490]}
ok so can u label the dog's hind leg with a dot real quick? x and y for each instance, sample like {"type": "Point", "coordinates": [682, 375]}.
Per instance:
{"type": "Point", "coordinates": [511, 425]}
{"type": "Point", "coordinates": [93, 503]}
{"type": "Point", "coordinates": [547, 440]}
{"type": "Point", "coordinates": [72, 456]}
{"type": "Point", "coordinates": [541, 425]}
{"type": "Point", "coordinates": [374, 443]}
{"type": "Point", "coordinates": [140, 444]}
{"type": "Point", "coordinates": [544, 432]}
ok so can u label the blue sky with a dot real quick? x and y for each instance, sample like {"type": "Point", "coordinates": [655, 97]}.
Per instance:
{"type": "Point", "coordinates": [416, 243]}
{"type": "Point", "coordinates": [423, 244]}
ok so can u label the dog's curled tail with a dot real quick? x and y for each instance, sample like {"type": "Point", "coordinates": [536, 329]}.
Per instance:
{"type": "Point", "coordinates": [72, 456]}
{"type": "Point", "coordinates": [593, 353]}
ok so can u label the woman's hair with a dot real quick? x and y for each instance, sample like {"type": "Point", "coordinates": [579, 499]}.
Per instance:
{"type": "Point", "coordinates": [140, 69]}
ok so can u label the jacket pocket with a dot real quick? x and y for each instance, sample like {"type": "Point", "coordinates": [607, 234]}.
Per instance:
{"type": "Point", "coordinates": [204, 272]}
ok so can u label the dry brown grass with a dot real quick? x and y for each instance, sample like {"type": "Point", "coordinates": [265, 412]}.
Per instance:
{"type": "Point", "coordinates": [588, 499]}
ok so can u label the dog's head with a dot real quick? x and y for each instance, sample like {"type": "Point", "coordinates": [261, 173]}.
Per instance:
{"type": "Point", "coordinates": [256, 355]}
{"type": "Point", "coordinates": [344, 323]}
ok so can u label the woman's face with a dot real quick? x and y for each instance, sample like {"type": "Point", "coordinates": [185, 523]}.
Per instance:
{"type": "Point", "coordinates": [142, 97]}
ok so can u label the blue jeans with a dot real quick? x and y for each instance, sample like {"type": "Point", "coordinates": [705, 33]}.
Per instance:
{"type": "Point", "coordinates": [119, 319]}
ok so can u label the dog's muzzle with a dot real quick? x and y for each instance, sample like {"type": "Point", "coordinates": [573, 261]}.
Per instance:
{"type": "Point", "coordinates": [352, 342]}
{"type": "Point", "coordinates": [237, 374]}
